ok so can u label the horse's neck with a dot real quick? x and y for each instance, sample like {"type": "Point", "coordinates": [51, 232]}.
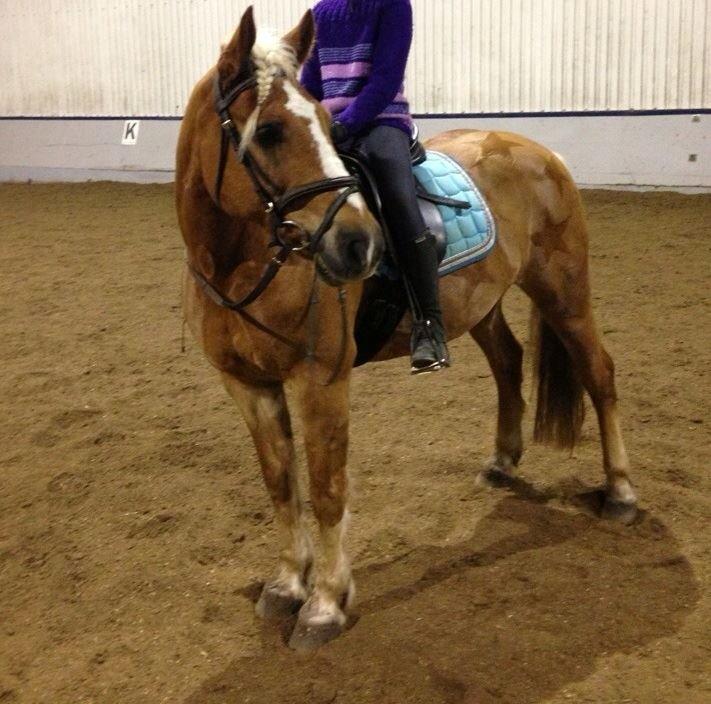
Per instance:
{"type": "Point", "coordinates": [230, 238]}
{"type": "Point", "coordinates": [239, 241]}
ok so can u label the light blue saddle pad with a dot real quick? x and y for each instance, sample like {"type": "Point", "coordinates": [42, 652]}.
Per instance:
{"type": "Point", "coordinates": [470, 232]}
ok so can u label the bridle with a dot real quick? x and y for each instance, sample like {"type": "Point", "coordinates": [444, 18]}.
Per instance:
{"type": "Point", "coordinates": [276, 206]}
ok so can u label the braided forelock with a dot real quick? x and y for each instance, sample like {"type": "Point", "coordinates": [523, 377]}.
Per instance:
{"type": "Point", "coordinates": [271, 58]}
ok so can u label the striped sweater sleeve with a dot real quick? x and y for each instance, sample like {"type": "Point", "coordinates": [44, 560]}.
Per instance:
{"type": "Point", "coordinates": [390, 53]}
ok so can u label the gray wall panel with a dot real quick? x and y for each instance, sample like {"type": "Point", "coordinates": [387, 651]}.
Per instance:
{"type": "Point", "coordinates": [630, 150]}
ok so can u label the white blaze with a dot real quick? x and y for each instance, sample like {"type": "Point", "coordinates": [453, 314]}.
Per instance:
{"type": "Point", "coordinates": [330, 162]}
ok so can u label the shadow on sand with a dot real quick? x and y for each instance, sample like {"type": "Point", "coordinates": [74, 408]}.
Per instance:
{"type": "Point", "coordinates": [514, 614]}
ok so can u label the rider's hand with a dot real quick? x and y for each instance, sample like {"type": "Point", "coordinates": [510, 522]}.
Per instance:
{"type": "Point", "coordinates": [339, 132]}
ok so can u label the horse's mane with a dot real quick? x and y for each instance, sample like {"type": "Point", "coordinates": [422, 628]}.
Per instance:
{"type": "Point", "coordinates": [271, 58]}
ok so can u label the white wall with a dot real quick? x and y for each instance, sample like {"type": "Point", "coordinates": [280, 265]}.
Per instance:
{"type": "Point", "coordinates": [560, 55]}
{"type": "Point", "coordinates": [135, 57]}
{"type": "Point", "coordinates": [109, 58]}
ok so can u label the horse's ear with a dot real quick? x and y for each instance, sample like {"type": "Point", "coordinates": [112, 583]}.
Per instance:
{"type": "Point", "coordinates": [301, 38]}
{"type": "Point", "coordinates": [234, 59]}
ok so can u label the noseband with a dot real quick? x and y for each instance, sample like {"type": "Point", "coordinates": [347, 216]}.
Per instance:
{"type": "Point", "coordinates": [276, 206]}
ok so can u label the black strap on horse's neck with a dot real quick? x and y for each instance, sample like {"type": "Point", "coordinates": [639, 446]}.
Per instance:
{"type": "Point", "coordinates": [271, 270]}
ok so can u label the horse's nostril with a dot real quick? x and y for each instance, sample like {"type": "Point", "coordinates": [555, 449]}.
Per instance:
{"type": "Point", "coordinates": [357, 250]}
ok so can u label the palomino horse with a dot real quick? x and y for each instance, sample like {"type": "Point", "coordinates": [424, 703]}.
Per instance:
{"type": "Point", "coordinates": [231, 206]}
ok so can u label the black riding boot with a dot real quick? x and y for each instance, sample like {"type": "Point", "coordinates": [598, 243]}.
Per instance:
{"type": "Point", "coordinates": [428, 347]}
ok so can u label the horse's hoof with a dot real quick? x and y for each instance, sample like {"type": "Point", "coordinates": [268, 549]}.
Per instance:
{"type": "Point", "coordinates": [499, 471]}
{"type": "Point", "coordinates": [276, 605]}
{"type": "Point", "coordinates": [306, 637]}
{"type": "Point", "coordinates": [619, 511]}
{"type": "Point", "coordinates": [494, 477]}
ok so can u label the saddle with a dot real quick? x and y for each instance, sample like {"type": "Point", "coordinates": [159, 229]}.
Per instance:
{"type": "Point", "coordinates": [455, 214]}
{"type": "Point", "coordinates": [357, 166]}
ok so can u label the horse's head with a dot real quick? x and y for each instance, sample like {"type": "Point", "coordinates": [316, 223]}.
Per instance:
{"type": "Point", "coordinates": [284, 134]}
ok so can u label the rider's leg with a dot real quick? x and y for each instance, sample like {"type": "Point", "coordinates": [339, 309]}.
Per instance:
{"type": "Point", "coordinates": [387, 150]}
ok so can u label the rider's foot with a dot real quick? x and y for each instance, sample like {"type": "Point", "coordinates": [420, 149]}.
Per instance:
{"type": "Point", "coordinates": [428, 349]}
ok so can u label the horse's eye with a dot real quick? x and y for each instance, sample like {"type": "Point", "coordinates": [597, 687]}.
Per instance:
{"type": "Point", "coordinates": [270, 134]}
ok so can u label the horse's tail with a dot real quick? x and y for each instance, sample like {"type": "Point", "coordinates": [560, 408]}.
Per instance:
{"type": "Point", "coordinates": [560, 407]}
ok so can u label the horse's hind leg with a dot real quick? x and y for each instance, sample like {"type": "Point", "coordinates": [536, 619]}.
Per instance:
{"type": "Point", "coordinates": [567, 333]}
{"type": "Point", "coordinates": [505, 356]}
{"type": "Point", "coordinates": [596, 369]}
{"type": "Point", "coordinates": [267, 417]}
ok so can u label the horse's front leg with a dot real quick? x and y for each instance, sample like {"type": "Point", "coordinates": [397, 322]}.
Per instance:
{"type": "Point", "coordinates": [325, 417]}
{"type": "Point", "coordinates": [265, 411]}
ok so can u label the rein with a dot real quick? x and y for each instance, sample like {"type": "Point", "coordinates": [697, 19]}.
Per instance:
{"type": "Point", "coordinates": [276, 206]}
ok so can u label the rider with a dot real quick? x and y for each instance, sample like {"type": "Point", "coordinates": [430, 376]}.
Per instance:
{"type": "Point", "coordinates": [357, 70]}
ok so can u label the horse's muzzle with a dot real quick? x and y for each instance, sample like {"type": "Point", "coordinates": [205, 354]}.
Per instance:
{"type": "Point", "coordinates": [352, 254]}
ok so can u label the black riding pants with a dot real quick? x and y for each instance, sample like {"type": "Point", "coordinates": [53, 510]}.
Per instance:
{"type": "Point", "coordinates": [387, 151]}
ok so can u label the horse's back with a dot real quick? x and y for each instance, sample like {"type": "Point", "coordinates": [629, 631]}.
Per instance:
{"type": "Point", "coordinates": [498, 157]}
{"type": "Point", "coordinates": [527, 186]}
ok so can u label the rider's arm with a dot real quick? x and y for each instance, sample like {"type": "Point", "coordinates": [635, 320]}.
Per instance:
{"type": "Point", "coordinates": [392, 47]}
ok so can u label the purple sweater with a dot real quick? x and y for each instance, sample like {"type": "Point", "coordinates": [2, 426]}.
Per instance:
{"type": "Point", "coordinates": [357, 67]}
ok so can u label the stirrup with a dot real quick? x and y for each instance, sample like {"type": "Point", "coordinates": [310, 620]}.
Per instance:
{"type": "Point", "coordinates": [434, 367]}
{"type": "Point", "coordinates": [442, 363]}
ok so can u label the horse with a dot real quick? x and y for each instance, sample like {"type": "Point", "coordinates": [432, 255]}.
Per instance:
{"type": "Point", "coordinates": [277, 324]}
